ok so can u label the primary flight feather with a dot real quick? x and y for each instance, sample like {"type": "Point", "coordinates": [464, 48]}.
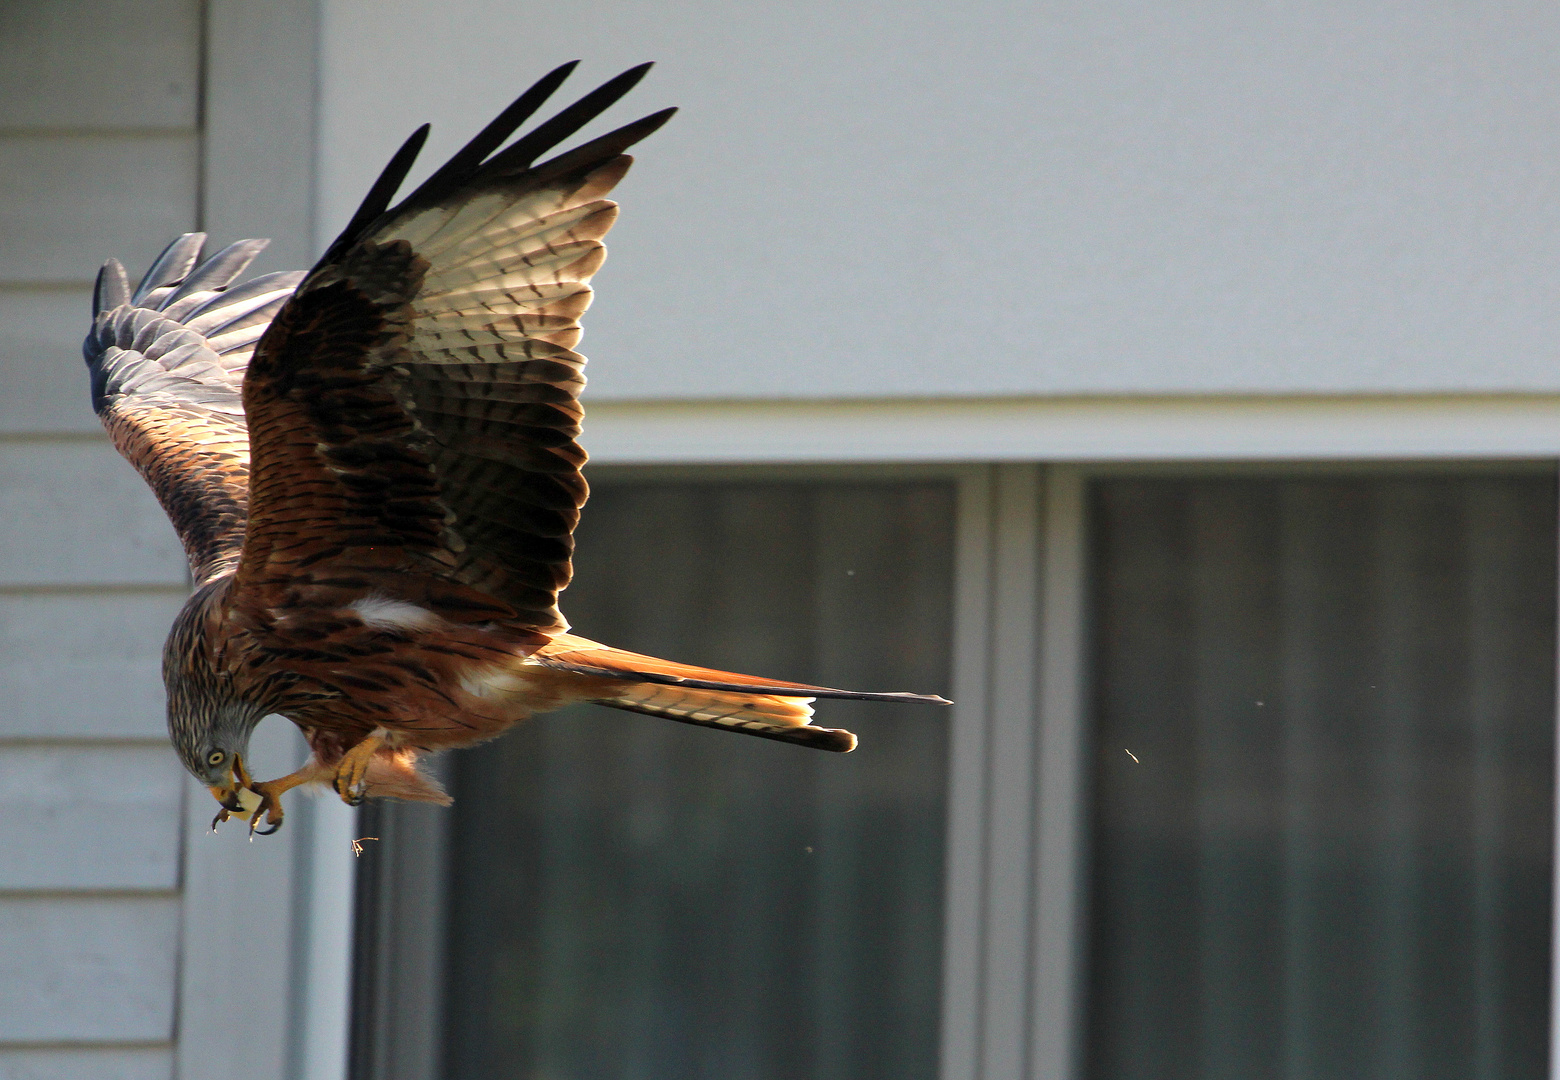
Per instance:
{"type": "Point", "coordinates": [373, 469]}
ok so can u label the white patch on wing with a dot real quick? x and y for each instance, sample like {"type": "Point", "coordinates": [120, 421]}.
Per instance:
{"type": "Point", "coordinates": [383, 613]}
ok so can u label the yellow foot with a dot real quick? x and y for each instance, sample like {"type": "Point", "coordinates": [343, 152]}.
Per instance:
{"type": "Point", "coordinates": [352, 772]}
{"type": "Point", "coordinates": [237, 802]}
{"type": "Point", "coordinates": [254, 801]}
{"type": "Point", "coordinates": [270, 805]}
{"type": "Point", "coordinates": [237, 798]}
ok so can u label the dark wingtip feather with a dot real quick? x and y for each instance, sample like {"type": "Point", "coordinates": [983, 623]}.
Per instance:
{"type": "Point", "coordinates": [172, 265]}
{"type": "Point", "coordinates": [525, 150]}
{"type": "Point", "coordinates": [606, 147]}
{"type": "Point", "coordinates": [112, 288]}
{"type": "Point", "coordinates": [378, 198]}
{"type": "Point", "coordinates": [466, 160]}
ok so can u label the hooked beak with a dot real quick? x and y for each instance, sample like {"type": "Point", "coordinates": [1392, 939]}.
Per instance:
{"type": "Point", "coordinates": [236, 796]}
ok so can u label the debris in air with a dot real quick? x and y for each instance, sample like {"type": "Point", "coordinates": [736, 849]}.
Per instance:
{"type": "Point", "coordinates": [357, 845]}
{"type": "Point", "coordinates": [1131, 755]}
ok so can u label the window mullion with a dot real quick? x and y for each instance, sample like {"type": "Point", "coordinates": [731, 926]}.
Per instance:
{"type": "Point", "coordinates": [967, 779]}
{"type": "Point", "coordinates": [1055, 1001]}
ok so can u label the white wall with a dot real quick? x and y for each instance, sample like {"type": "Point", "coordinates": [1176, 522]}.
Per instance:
{"type": "Point", "coordinates": [913, 197]}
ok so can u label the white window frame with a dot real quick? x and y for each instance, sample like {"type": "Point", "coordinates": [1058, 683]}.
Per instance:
{"type": "Point", "coordinates": [1015, 893]}
{"type": "Point", "coordinates": [1016, 890]}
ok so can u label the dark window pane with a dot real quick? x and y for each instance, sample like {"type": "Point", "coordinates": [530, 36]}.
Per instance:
{"type": "Point", "coordinates": [634, 898]}
{"type": "Point", "coordinates": [1332, 856]}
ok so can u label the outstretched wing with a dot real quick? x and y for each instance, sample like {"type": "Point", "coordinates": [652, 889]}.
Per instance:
{"type": "Point", "coordinates": [166, 364]}
{"type": "Point", "coordinates": [414, 408]}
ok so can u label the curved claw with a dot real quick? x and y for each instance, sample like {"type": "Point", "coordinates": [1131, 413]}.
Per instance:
{"type": "Point", "coordinates": [270, 807]}
{"type": "Point", "coordinates": [254, 832]}
{"type": "Point", "coordinates": [230, 802]}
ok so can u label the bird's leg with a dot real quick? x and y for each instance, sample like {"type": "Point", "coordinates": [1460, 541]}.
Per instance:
{"type": "Point", "coordinates": [270, 792]}
{"type": "Point", "coordinates": [352, 772]}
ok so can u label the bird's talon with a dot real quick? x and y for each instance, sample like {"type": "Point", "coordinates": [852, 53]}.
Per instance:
{"type": "Point", "coordinates": [352, 773]}
{"type": "Point", "coordinates": [270, 808]}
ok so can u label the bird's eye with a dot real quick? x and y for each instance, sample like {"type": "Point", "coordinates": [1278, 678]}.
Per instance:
{"type": "Point", "coordinates": [216, 757]}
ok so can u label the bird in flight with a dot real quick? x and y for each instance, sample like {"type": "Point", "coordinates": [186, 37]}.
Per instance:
{"type": "Point", "coordinates": [374, 471]}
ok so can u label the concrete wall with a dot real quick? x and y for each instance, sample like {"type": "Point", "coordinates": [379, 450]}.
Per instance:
{"type": "Point", "coordinates": [917, 198]}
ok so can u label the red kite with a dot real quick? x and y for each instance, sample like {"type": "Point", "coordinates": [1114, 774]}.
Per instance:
{"type": "Point", "coordinates": [373, 469]}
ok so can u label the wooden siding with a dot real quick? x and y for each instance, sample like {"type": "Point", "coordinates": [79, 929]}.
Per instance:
{"type": "Point", "coordinates": [70, 816]}
{"type": "Point", "coordinates": [73, 513]}
{"type": "Point", "coordinates": [40, 361]}
{"type": "Point", "coordinates": [114, 1063]}
{"type": "Point", "coordinates": [73, 200]}
{"type": "Point", "coordinates": [83, 665]}
{"type": "Point", "coordinates": [100, 64]}
{"type": "Point", "coordinates": [87, 968]}
{"type": "Point", "coordinates": [91, 798]}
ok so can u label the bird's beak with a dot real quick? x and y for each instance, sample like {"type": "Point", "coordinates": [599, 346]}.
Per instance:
{"type": "Point", "coordinates": [236, 796]}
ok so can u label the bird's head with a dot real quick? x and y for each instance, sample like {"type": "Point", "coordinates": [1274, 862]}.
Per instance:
{"type": "Point", "coordinates": [209, 724]}
{"type": "Point", "coordinates": [211, 735]}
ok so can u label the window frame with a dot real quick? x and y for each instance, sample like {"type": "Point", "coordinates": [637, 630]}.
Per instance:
{"type": "Point", "coordinates": [1016, 874]}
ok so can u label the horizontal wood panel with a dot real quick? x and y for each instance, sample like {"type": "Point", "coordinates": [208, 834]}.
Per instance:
{"type": "Point", "coordinates": [55, 54]}
{"type": "Point", "coordinates": [76, 513]}
{"type": "Point", "coordinates": [40, 360]}
{"type": "Point", "coordinates": [76, 1063]}
{"type": "Point", "coordinates": [74, 665]}
{"type": "Point", "coordinates": [89, 817]}
{"type": "Point", "coordinates": [74, 200]}
{"type": "Point", "coordinates": [87, 969]}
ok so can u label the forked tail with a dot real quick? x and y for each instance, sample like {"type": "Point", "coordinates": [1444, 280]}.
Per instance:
{"type": "Point", "coordinates": [767, 708]}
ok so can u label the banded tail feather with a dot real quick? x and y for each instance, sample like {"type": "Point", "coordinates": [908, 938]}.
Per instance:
{"type": "Point", "coordinates": [766, 716]}
{"type": "Point", "coordinates": [768, 708]}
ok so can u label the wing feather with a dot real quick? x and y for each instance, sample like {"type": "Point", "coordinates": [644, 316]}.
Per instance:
{"type": "Point", "coordinates": [169, 395]}
{"type": "Point", "coordinates": [414, 406]}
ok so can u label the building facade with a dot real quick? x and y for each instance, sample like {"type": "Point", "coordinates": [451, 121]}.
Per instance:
{"type": "Point", "coordinates": [1173, 387]}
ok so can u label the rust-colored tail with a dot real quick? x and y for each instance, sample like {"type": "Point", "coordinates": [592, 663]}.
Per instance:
{"type": "Point", "coordinates": [768, 708]}
{"type": "Point", "coordinates": [767, 716]}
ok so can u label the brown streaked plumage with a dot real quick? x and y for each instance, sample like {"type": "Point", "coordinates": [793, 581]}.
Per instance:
{"type": "Point", "coordinates": [374, 472]}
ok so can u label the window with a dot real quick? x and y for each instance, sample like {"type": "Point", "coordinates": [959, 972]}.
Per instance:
{"type": "Point", "coordinates": [624, 897]}
{"type": "Point", "coordinates": [1324, 773]}
{"type": "Point", "coordinates": [1250, 775]}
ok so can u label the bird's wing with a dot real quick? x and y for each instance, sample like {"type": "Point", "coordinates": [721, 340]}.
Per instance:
{"type": "Point", "coordinates": [166, 363]}
{"type": "Point", "coordinates": [414, 407]}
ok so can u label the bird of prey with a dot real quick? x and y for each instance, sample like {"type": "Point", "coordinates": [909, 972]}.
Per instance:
{"type": "Point", "coordinates": [373, 469]}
